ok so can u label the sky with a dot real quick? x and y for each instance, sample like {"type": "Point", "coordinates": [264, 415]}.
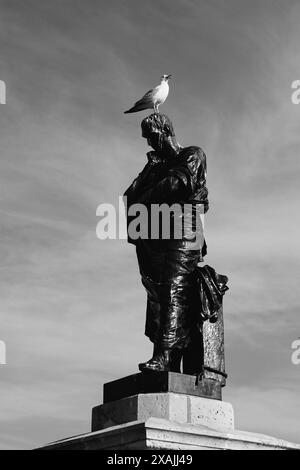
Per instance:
{"type": "Point", "coordinates": [72, 307]}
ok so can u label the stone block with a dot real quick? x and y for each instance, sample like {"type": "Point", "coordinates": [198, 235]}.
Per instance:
{"type": "Point", "coordinates": [161, 434]}
{"type": "Point", "coordinates": [212, 413]}
{"type": "Point", "coordinates": [170, 406]}
{"type": "Point", "coordinates": [161, 382]}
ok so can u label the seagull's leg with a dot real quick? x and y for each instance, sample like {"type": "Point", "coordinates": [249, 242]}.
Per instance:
{"type": "Point", "coordinates": [155, 108]}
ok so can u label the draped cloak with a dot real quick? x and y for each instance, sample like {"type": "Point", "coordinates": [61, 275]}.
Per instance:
{"type": "Point", "coordinates": [180, 294]}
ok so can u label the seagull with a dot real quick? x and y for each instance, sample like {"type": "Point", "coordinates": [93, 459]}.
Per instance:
{"type": "Point", "coordinates": [153, 98]}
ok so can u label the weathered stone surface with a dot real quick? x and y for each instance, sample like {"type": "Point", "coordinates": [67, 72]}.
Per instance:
{"type": "Point", "coordinates": [214, 354]}
{"type": "Point", "coordinates": [157, 433]}
{"type": "Point", "coordinates": [156, 382]}
{"type": "Point", "coordinates": [213, 413]}
{"type": "Point", "coordinates": [171, 406]}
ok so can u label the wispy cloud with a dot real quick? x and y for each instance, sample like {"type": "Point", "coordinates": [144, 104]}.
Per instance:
{"type": "Point", "coordinates": [72, 307]}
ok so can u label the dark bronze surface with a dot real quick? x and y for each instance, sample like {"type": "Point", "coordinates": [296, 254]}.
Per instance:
{"type": "Point", "coordinates": [159, 382]}
{"type": "Point", "coordinates": [184, 318]}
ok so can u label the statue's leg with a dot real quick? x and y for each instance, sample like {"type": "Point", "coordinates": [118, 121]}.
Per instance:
{"type": "Point", "coordinates": [166, 324]}
{"type": "Point", "coordinates": [175, 314]}
{"type": "Point", "coordinates": [167, 277]}
{"type": "Point", "coordinates": [193, 356]}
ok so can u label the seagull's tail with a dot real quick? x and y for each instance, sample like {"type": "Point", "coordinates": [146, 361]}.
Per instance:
{"type": "Point", "coordinates": [135, 109]}
{"type": "Point", "coordinates": [139, 106]}
{"type": "Point", "coordinates": [131, 110]}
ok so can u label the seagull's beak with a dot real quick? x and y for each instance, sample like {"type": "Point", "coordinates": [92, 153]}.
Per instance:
{"type": "Point", "coordinates": [168, 77]}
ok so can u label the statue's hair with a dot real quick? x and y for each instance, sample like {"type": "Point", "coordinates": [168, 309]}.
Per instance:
{"type": "Point", "coordinates": [157, 122]}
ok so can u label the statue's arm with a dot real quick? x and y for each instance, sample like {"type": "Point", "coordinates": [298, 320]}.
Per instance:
{"type": "Point", "coordinates": [197, 167]}
{"type": "Point", "coordinates": [132, 193]}
{"type": "Point", "coordinates": [170, 189]}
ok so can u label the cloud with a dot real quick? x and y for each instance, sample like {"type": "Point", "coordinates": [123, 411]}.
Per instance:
{"type": "Point", "coordinates": [277, 408]}
{"type": "Point", "coordinates": [72, 307]}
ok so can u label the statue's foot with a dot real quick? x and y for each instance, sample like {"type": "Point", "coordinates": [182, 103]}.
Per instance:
{"type": "Point", "coordinates": [153, 366]}
{"type": "Point", "coordinates": [166, 360]}
{"type": "Point", "coordinates": [160, 362]}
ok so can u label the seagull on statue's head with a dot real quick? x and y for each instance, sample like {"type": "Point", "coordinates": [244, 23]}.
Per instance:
{"type": "Point", "coordinates": [153, 98]}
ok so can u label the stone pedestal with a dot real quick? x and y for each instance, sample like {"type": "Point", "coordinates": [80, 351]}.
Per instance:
{"type": "Point", "coordinates": [158, 434]}
{"type": "Point", "coordinates": [175, 407]}
{"type": "Point", "coordinates": [159, 382]}
{"type": "Point", "coordinates": [165, 411]}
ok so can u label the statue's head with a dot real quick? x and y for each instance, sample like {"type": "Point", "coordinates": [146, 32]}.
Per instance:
{"type": "Point", "coordinates": [158, 130]}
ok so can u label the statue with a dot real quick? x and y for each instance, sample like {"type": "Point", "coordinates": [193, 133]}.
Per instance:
{"type": "Point", "coordinates": [184, 301]}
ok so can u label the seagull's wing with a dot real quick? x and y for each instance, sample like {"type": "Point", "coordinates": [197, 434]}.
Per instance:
{"type": "Point", "coordinates": [145, 102]}
{"type": "Point", "coordinates": [147, 98]}
{"type": "Point", "coordinates": [150, 93]}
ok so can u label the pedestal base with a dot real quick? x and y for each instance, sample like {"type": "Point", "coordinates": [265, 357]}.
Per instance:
{"type": "Point", "coordinates": [166, 410]}
{"type": "Point", "coordinates": [170, 406]}
{"type": "Point", "coordinates": [155, 433]}
{"type": "Point", "coordinates": [159, 382]}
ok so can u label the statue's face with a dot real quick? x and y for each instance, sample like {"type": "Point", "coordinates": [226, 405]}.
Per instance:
{"type": "Point", "coordinates": [155, 140]}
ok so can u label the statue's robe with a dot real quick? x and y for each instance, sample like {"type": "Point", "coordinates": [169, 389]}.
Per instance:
{"type": "Point", "coordinates": [168, 267]}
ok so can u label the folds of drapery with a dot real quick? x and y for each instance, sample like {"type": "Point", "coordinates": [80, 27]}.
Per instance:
{"type": "Point", "coordinates": [184, 306]}
{"type": "Point", "coordinates": [212, 287]}
{"type": "Point", "coordinates": [181, 295]}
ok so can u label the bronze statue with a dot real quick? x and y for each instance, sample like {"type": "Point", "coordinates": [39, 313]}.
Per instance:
{"type": "Point", "coordinates": [183, 299]}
